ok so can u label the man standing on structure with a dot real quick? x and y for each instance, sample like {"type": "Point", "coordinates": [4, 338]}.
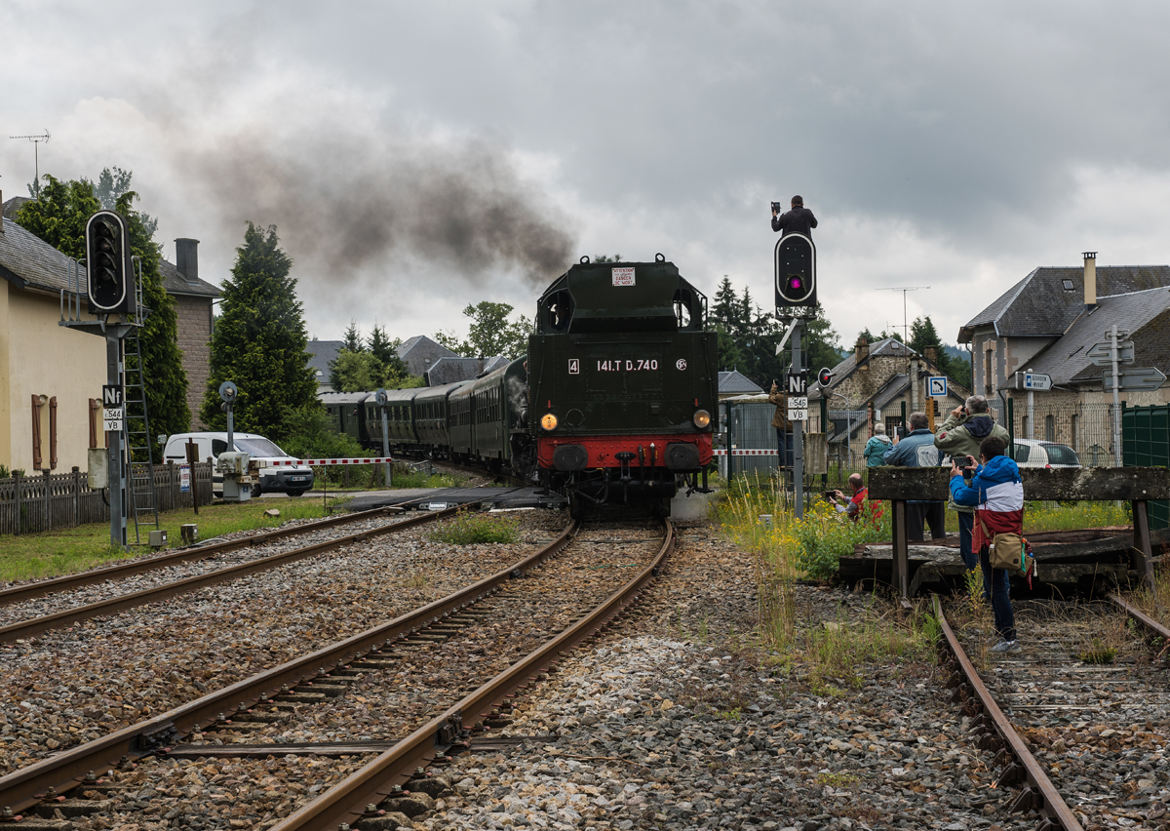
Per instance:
{"type": "Point", "coordinates": [799, 220]}
{"type": "Point", "coordinates": [960, 436]}
{"type": "Point", "coordinates": [783, 426]}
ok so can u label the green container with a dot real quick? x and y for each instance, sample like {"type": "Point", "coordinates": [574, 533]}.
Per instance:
{"type": "Point", "coordinates": [1145, 442]}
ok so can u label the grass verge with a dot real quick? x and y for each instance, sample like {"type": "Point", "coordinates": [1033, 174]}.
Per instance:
{"type": "Point", "coordinates": [69, 550]}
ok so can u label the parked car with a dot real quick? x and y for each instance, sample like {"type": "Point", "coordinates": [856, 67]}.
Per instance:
{"type": "Point", "coordinates": [1034, 453]}
{"type": "Point", "coordinates": [284, 478]}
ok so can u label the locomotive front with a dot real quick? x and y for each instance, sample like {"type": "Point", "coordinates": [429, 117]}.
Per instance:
{"type": "Point", "coordinates": [622, 380]}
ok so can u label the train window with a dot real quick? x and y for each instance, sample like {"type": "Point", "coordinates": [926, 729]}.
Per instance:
{"type": "Point", "coordinates": [690, 308]}
{"type": "Point", "coordinates": [557, 311]}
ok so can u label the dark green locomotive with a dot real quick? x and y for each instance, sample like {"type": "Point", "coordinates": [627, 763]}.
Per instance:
{"type": "Point", "coordinates": [622, 376]}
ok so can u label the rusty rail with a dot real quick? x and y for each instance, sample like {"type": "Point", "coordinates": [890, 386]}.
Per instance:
{"type": "Point", "coordinates": [1040, 786]}
{"type": "Point", "coordinates": [346, 801]}
{"type": "Point", "coordinates": [63, 771]}
{"type": "Point", "coordinates": [1152, 626]}
{"type": "Point", "coordinates": [39, 588]}
{"type": "Point", "coordinates": [67, 617]}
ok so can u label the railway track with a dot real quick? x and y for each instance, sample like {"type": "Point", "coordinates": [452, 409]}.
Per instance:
{"type": "Point", "coordinates": [1082, 712]}
{"type": "Point", "coordinates": [29, 609]}
{"type": "Point", "coordinates": [361, 716]}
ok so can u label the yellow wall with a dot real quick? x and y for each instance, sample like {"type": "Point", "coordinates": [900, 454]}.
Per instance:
{"type": "Point", "coordinates": [5, 375]}
{"type": "Point", "coordinates": [39, 357]}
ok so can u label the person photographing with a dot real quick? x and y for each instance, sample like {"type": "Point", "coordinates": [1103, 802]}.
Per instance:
{"type": "Point", "coordinates": [994, 490]}
{"type": "Point", "coordinates": [798, 220]}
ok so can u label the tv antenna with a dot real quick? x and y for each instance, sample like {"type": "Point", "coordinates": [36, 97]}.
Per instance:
{"type": "Point", "coordinates": [36, 140]}
{"type": "Point", "coordinates": [905, 320]}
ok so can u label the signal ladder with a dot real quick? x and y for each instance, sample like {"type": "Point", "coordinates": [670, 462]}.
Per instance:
{"type": "Point", "coordinates": [143, 497]}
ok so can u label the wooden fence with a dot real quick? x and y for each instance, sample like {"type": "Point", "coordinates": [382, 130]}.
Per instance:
{"type": "Point", "coordinates": [29, 504]}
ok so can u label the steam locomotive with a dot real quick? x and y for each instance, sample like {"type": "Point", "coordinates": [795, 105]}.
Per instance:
{"type": "Point", "coordinates": [615, 401]}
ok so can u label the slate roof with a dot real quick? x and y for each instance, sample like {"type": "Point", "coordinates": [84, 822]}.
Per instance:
{"type": "Point", "coordinates": [31, 263]}
{"type": "Point", "coordinates": [321, 354]}
{"type": "Point", "coordinates": [178, 284]}
{"type": "Point", "coordinates": [1144, 314]}
{"type": "Point", "coordinates": [734, 382]}
{"type": "Point", "coordinates": [420, 352]}
{"type": "Point", "coordinates": [886, 347]}
{"type": "Point", "coordinates": [450, 370]}
{"type": "Point", "coordinates": [1040, 305]}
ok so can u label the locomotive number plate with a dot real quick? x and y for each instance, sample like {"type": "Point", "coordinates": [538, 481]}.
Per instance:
{"type": "Point", "coordinates": [628, 365]}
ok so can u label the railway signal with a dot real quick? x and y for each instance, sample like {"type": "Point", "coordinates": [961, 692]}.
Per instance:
{"type": "Point", "coordinates": [796, 271]}
{"type": "Point", "coordinates": [824, 376]}
{"type": "Point", "coordinates": [107, 258]}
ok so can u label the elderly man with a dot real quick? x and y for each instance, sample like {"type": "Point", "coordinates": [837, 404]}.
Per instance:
{"type": "Point", "coordinates": [918, 450]}
{"type": "Point", "coordinates": [960, 436]}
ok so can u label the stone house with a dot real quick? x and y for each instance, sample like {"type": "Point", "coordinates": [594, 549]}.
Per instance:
{"type": "Point", "coordinates": [1052, 323]}
{"type": "Point", "coordinates": [877, 383]}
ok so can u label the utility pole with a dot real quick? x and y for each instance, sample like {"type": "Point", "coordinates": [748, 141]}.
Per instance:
{"type": "Point", "coordinates": [911, 380]}
{"type": "Point", "coordinates": [36, 140]}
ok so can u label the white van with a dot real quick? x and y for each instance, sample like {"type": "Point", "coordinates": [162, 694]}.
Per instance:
{"type": "Point", "coordinates": [291, 479]}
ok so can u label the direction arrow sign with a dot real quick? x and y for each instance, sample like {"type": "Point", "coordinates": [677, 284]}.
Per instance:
{"type": "Point", "coordinates": [1122, 334]}
{"type": "Point", "coordinates": [1037, 381]}
{"type": "Point", "coordinates": [1101, 353]}
{"type": "Point", "coordinates": [1136, 378]}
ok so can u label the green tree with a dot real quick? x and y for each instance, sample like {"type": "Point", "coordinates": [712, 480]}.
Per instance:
{"type": "Point", "coordinates": [352, 339]}
{"type": "Point", "coordinates": [392, 370]}
{"type": "Point", "coordinates": [58, 216]}
{"type": "Point", "coordinates": [354, 371]}
{"type": "Point", "coordinates": [491, 332]}
{"type": "Point", "coordinates": [261, 342]}
{"type": "Point", "coordinates": [924, 335]}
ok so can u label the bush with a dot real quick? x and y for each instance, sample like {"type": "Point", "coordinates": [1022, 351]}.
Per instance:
{"type": "Point", "coordinates": [467, 529]}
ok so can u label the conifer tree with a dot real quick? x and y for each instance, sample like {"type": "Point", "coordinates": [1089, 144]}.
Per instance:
{"type": "Point", "coordinates": [260, 343]}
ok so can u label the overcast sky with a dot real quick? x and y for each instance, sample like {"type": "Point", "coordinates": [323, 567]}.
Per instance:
{"type": "Point", "coordinates": [416, 157]}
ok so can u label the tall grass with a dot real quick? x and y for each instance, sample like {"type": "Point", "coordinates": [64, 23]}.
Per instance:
{"type": "Point", "coordinates": [757, 514]}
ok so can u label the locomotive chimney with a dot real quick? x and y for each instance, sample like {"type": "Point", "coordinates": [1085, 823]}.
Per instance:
{"type": "Point", "coordinates": [1090, 278]}
{"type": "Point", "coordinates": [187, 258]}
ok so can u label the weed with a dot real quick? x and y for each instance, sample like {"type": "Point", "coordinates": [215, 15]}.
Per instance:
{"type": "Point", "coordinates": [1096, 651]}
{"type": "Point", "coordinates": [468, 528]}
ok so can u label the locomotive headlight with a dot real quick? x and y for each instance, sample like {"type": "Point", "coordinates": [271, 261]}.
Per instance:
{"type": "Point", "coordinates": [548, 421]}
{"type": "Point", "coordinates": [702, 419]}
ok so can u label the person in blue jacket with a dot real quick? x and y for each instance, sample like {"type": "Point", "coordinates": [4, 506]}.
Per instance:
{"type": "Point", "coordinates": [917, 450]}
{"type": "Point", "coordinates": [996, 493]}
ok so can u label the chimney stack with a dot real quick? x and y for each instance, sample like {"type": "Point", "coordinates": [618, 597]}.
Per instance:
{"type": "Point", "coordinates": [1090, 278]}
{"type": "Point", "coordinates": [861, 352]}
{"type": "Point", "coordinates": [187, 258]}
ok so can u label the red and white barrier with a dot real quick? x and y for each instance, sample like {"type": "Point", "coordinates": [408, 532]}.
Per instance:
{"type": "Point", "coordinates": [363, 460]}
{"type": "Point", "coordinates": [745, 452]}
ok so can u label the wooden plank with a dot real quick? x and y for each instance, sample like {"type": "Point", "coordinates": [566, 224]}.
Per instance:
{"type": "Point", "coordinates": [1061, 484]}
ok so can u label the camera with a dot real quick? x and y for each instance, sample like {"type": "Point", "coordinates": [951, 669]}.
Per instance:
{"type": "Point", "coordinates": [778, 207]}
{"type": "Point", "coordinates": [967, 465]}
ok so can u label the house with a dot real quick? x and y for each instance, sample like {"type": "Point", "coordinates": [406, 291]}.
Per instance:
{"type": "Point", "coordinates": [194, 301]}
{"type": "Point", "coordinates": [50, 376]}
{"type": "Point", "coordinates": [732, 382]}
{"type": "Point", "coordinates": [420, 352]}
{"type": "Point", "coordinates": [322, 353]}
{"type": "Point", "coordinates": [55, 374]}
{"type": "Point", "coordinates": [450, 370]}
{"type": "Point", "coordinates": [1053, 324]}
{"type": "Point", "coordinates": [880, 383]}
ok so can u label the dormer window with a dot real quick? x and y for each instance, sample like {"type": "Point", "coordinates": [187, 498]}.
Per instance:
{"type": "Point", "coordinates": [1067, 285]}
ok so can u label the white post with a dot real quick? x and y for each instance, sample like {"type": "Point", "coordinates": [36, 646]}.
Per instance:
{"type": "Point", "coordinates": [1116, 398]}
{"type": "Point", "coordinates": [1031, 410]}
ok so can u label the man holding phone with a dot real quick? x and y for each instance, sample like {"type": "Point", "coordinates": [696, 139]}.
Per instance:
{"type": "Point", "coordinates": [958, 437]}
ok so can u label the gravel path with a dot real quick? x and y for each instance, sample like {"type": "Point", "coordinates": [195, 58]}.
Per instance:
{"type": "Point", "coordinates": [673, 722]}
